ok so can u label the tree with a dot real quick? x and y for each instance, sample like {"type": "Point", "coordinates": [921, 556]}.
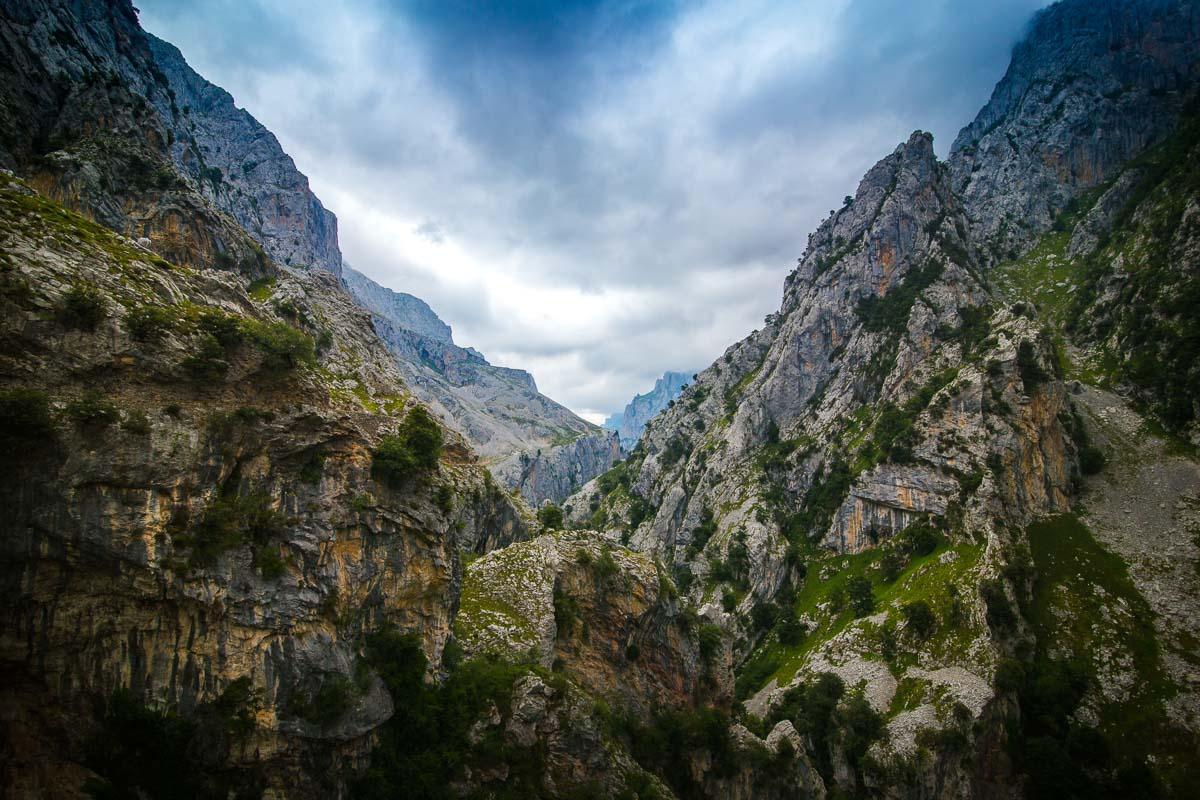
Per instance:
{"type": "Point", "coordinates": [919, 619]}
{"type": "Point", "coordinates": [862, 600]}
{"type": "Point", "coordinates": [551, 516]}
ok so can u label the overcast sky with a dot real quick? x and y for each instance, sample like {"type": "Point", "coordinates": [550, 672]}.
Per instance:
{"type": "Point", "coordinates": [596, 192]}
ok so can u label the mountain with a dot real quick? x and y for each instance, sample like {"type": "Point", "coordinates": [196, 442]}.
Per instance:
{"type": "Point", "coordinates": [918, 477]}
{"type": "Point", "coordinates": [931, 532]}
{"type": "Point", "coordinates": [532, 444]}
{"type": "Point", "coordinates": [643, 407]}
{"type": "Point", "coordinates": [217, 485]}
{"type": "Point", "coordinates": [402, 310]}
{"type": "Point", "coordinates": [240, 166]}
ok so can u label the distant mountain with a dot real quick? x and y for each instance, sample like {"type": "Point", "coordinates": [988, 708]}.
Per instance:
{"type": "Point", "coordinates": [644, 407]}
{"type": "Point", "coordinates": [405, 310]}
{"type": "Point", "coordinates": [532, 444]}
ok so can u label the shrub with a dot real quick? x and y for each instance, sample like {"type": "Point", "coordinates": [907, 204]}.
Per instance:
{"type": "Point", "coordinates": [754, 674]}
{"type": "Point", "coordinates": [550, 516]}
{"type": "Point", "coordinates": [709, 637]}
{"type": "Point", "coordinates": [24, 420]}
{"type": "Point", "coordinates": [443, 498]}
{"type": "Point", "coordinates": [329, 704]}
{"type": "Point", "coordinates": [223, 327]}
{"type": "Point", "coordinates": [999, 610]}
{"type": "Point", "coordinates": [1010, 675]}
{"type": "Point", "coordinates": [284, 348]}
{"type": "Point", "coordinates": [605, 567]}
{"type": "Point", "coordinates": [862, 599]}
{"type": "Point", "coordinates": [93, 411]}
{"type": "Point", "coordinates": [139, 751]}
{"type": "Point", "coordinates": [790, 630]}
{"type": "Point", "coordinates": [1091, 460]}
{"type": "Point", "coordinates": [137, 423]}
{"type": "Point", "coordinates": [729, 602]}
{"type": "Point", "coordinates": [919, 619]}
{"type": "Point", "coordinates": [83, 306]}
{"type": "Point", "coordinates": [268, 563]}
{"type": "Point", "coordinates": [764, 615]}
{"type": "Point", "coordinates": [208, 362]}
{"type": "Point", "coordinates": [1032, 374]}
{"type": "Point", "coordinates": [232, 521]}
{"type": "Point", "coordinates": [148, 323]}
{"type": "Point", "coordinates": [920, 538]}
{"type": "Point", "coordinates": [415, 448]}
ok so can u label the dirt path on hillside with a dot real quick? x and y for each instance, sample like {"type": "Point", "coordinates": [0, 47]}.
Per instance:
{"type": "Point", "coordinates": [1145, 506]}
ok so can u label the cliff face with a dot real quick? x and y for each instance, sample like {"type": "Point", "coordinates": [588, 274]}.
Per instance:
{"type": "Point", "coordinates": [1091, 86]}
{"type": "Point", "coordinates": [191, 503]}
{"type": "Point", "coordinates": [531, 443]}
{"type": "Point", "coordinates": [103, 104]}
{"type": "Point", "coordinates": [238, 165]}
{"type": "Point", "coordinates": [641, 409]}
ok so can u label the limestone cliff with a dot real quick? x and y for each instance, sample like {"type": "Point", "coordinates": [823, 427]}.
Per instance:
{"type": "Point", "coordinates": [240, 166]}
{"type": "Point", "coordinates": [191, 501]}
{"type": "Point", "coordinates": [1093, 84]}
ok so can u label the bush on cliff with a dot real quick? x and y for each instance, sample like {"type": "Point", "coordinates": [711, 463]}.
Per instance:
{"type": "Point", "coordinates": [415, 448]}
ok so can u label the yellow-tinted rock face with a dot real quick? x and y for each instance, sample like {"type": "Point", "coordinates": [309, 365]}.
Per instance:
{"type": "Point", "coordinates": [171, 534]}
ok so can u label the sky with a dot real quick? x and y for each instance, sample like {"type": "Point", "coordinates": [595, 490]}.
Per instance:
{"type": "Point", "coordinates": [594, 191]}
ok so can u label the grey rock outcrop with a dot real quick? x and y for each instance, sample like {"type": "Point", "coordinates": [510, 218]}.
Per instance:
{"type": "Point", "coordinates": [240, 166]}
{"type": "Point", "coordinates": [1094, 83]}
{"type": "Point", "coordinates": [630, 422]}
{"type": "Point", "coordinates": [170, 534]}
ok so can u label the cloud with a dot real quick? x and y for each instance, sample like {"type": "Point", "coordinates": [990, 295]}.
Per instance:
{"type": "Point", "coordinates": [594, 191]}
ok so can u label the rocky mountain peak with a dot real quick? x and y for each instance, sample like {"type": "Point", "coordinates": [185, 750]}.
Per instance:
{"type": "Point", "coordinates": [1093, 83]}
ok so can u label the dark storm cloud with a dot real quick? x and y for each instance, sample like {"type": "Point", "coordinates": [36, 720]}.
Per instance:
{"type": "Point", "coordinates": [596, 191]}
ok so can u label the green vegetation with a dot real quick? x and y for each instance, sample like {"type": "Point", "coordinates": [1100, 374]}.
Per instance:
{"type": "Point", "coordinates": [1030, 370]}
{"type": "Point", "coordinates": [92, 411]}
{"type": "Point", "coordinates": [1087, 609]}
{"type": "Point", "coordinates": [422, 749]}
{"type": "Point", "coordinates": [142, 752]}
{"type": "Point", "coordinates": [25, 422]}
{"type": "Point", "coordinates": [890, 312]}
{"type": "Point", "coordinates": [412, 451]}
{"type": "Point", "coordinates": [820, 711]}
{"type": "Point", "coordinates": [261, 289]}
{"type": "Point", "coordinates": [860, 584]}
{"type": "Point", "coordinates": [333, 698]}
{"type": "Point", "coordinates": [83, 306]}
{"type": "Point", "coordinates": [550, 516]}
{"type": "Point", "coordinates": [284, 348]}
{"type": "Point", "coordinates": [233, 520]}
{"type": "Point", "coordinates": [672, 738]}
{"type": "Point", "coordinates": [148, 323]}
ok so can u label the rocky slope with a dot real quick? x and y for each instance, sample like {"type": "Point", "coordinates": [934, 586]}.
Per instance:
{"type": "Point", "coordinates": [630, 422]}
{"type": "Point", "coordinates": [875, 473]}
{"type": "Point", "coordinates": [239, 165]}
{"type": "Point", "coordinates": [1091, 86]}
{"type": "Point", "coordinates": [191, 503]}
{"type": "Point", "coordinates": [402, 310]}
{"type": "Point", "coordinates": [113, 123]}
{"type": "Point", "coordinates": [532, 444]}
